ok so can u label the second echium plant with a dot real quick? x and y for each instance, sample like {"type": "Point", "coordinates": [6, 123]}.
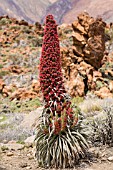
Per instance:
{"type": "Point", "coordinates": [60, 141]}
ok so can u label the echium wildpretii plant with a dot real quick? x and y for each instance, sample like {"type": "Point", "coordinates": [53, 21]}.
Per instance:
{"type": "Point", "coordinates": [59, 140]}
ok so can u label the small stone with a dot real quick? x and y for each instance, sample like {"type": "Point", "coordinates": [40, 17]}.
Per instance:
{"type": "Point", "coordinates": [10, 154]}
{"type": "Point", "coordinates": [31, 157]}
{"type": "Point", "coordinates": [23, 165]}
{"type": "Point", "coordinates": [103, 159]}
{"type": "Point", "coordinates": [28, 167]}
{"type": "Point", "coordinates": [110, 158]}
{"type": "Point", "coordinates": [28, 154]}
{"type": "Point", "coordinates": [97, 154]}
{"type": "Point", "coordinates": [92, 149]}
{"type": "Point", "coordinates": [28, 145]}
{"type": "Point", "coordinates": [19, 154]}
{"type": "Point", "coordinates": [5, 141]}
{"type": "Point", "coordinates": [14, 146]}
{"type": "Point", "coordinates": [103, 154]}
{"type": "Point", "coordinates": [30, 140]}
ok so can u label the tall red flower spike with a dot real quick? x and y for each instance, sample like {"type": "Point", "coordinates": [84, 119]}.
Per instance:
{"type": "Point", "coordinates": [59, 143]}
{"type": "Point", "coordinates": [58, 112]}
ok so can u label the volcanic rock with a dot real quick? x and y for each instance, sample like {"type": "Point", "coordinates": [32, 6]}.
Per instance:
{"type": "Point", "coordinates": [78, 27]}
{"type": "Point", "coordinates": [36, 86]}
{"type": "Point", "coordinates": [103, 93]}
{"type": "Point", "coordinates": [78, 39]}
{"type": "Point", "coordinates": [92, 43]}
{"type": "Point", "coordinates": [82, 60]}
{"type": "Point", "coordinates": [23, 93]}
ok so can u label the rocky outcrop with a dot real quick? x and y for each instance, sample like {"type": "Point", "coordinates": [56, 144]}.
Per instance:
{"type": "Point", "coordinates": [84, 62]}
{"type": "Point", "coordinates": [27, 93]}
{"type": "Point", "coordinates": [14, 92]}
{"type": "Point", "coordinates": [89, 39]}
{"type": "Point", "coordinates": [104, 92]}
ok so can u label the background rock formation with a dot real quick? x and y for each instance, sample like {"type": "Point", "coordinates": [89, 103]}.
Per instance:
{"type": "Point", "coordinates": [89, 39]}
{"type": "Point", "coordinates": [83, 60]}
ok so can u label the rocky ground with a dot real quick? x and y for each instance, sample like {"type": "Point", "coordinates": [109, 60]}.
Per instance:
{"type": "Point", "coordinates": [23, 159]}
{"type": "Point", "coordinates": [16, 148]}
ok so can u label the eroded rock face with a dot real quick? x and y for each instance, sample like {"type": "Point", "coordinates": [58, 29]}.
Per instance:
{"type": "Point", "coordinates": [24, 93]}
{"type": "Point", "coordinates": [103, 93]}
{"type": "Point", "coordinates": [20, 93]}
{"type": "Point", "coordinates": [82, 60]}
{"type": "Point", "coordinates": [89, 38]}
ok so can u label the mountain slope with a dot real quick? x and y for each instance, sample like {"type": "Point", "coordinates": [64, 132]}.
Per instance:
{"type": "Point", "coordinates": [58, 9]}
{"type": "Point", "coordinates": [63, 10]}
{"type": "Point", "coordinates": [95, 8]}
{"type": "Point", "coordinates": [31, 10]}
{"type": "Point", "coordinates": [67, 10]}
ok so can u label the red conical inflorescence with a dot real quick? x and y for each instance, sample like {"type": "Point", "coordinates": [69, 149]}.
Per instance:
{"type": "Point", "coordinates": [57, 106]}
{"type": "Point", "coordinates": [60, 142]}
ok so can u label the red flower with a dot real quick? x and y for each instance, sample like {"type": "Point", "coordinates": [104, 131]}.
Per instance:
{"type": "Point", "coordinates": [51, 80]}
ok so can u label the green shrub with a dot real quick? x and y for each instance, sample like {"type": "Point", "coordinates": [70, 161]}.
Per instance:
{"type": "Point", "coordinates": [3, 73]}
{"type": "Point", "coordinates": [77, 100]}
{"type": "Point", "coordinates": [99, 84]}
{"type": "Point", "coordinates": [15, 27]}
{"type": "Point", "coordinates": [1, 66]}
{"type": "Point", "coordinates": [24, 106]}
{"type": "Point", "coordinates": [5, 21]}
